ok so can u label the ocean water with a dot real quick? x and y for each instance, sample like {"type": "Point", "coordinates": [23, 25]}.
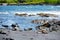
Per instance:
{"type": "Point", "coordinates": [30, 8]}
{"type": "Point", "coordinates": [7, 16]}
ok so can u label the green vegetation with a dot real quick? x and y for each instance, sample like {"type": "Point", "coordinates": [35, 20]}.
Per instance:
{"type": "Point", "coordinates": [52, 2]}
{"type": "Point", "coordinates": [58, 1]}
{"type": "Point", "coordinates": [11, 1]}
{"type": "Point", "coordinates": [2, 1]}
{"type": "Point", "coordinates": [35, 1]}
{"type": "Point", "coordinates": [8, 1]}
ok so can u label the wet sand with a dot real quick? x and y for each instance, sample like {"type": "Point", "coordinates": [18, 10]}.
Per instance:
{"type": "Point", "coordinates": [30, 35]}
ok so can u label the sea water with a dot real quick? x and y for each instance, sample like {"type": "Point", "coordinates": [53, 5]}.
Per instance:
{"type": "Point", "coordinates": [8, 17]}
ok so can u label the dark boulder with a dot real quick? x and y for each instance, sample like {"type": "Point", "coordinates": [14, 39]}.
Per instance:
{"type": "Point", "coordinates": [6, 26]}
{"type": "Point", "coordinates": [13, 25]}
{"type": "Point", "coordinates": [58, 23]}
{"type": "Point", "coordinates": [8, 39]}
{"type": "Point", "coordinates": [47, 15]}
{"type": "Point", "coordinates": [37, 27]}
{"type": "Point", "coordinates": [22, 14]}
{"type": "Point", "coordinates": [29, 28]}
{"type": "Point", "coordinates": [46, 25]}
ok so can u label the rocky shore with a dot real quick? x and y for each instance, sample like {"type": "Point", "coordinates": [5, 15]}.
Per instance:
{"type": "Point", "coordinates": [46, 30]}
{"type": "Point", "coordinates": [38, 14]}
{"type": "Point", "coordinates": [22, 14]}
{"type": "Point", "coordinates": [47, 26]}
{"type": "Point", "coordinates": [47, 15]}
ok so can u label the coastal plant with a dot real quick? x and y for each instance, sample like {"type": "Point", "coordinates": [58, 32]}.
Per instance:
{"type": "Point", "coordinates": [38, 1]}
{"type": "Point", "coordinates": [28, 1]}
{"type": "Point", "coordinates": [21, 1]}
{"type": "Point", "coordinates": [11, 1]}
{"type": "Point", "coordinates": [58, 2]}
{"type": "Point", "coordinates": [34, 1]}
{"type": "Point", "coordinates": [51, 1]}
{"type": "Point", "coordinates": [2, 1]}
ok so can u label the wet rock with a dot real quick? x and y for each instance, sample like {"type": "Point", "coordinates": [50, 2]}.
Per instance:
{"type": "Point", "coordinates": [46, 25]}
{"type": "Point", "coordinates": [8, 39]}
{"type": "Point", "coordinates": [44, 31]}
{"type": "Point", "coordinates": [54, 28]}
{"type": "Point", "coordinates": [25, 29]}
{"type": "Point", "coordinates": [43, 15]}
{"type": "Point", "coordinates": [15, 27]}
{"type": "Point", "coordinates": [4, 31]}
{"type": "Point", "coordinates": [22, 14]}
{"type": "Point", "coordinates": [43, 27]}
{"type": "Point", "coordinates": [6, 26]}
{"type": "Point", "coordinates": [47, 15]}
{"type": "Point", "coordinates": [36, 21]}
{"type": "Point", "coordinates": [39, 21]}
{"type": "Point", "coordinates": [1, 32]}
{"type": "Point", "coordinates": [49, 26]}
{"type": "Point", "coordinates": [58, 23]}
{"type": "Point", "coordinates": [37, 27]}
{"type": "Point", "coordinates": [29, 29]}
{"type": "Point", "coordinates": [31, 15]}
{"type": "Point", "coordinates": [58, 27]}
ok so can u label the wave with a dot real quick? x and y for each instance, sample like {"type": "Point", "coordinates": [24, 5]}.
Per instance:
{"type": "Point", "coordinates": [36, 12]}
{"type": "Point", "coordinates": [9, 22]}
{"type": "Point", "coordinates": [4, 12]}
{"type": "Point", "coordinates": [31, 12]}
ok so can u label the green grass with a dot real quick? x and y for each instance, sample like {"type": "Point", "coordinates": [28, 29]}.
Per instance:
{"type": "Point", "coordinates": [32, 1]}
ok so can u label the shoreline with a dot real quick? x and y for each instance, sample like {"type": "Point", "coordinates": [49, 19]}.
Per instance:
{"type": "Point", "coordinates": [31, 12]}
{"type": "Point", "coordinates": [22, 4]}
{"type": "Point", "coordinates": [29, 35]}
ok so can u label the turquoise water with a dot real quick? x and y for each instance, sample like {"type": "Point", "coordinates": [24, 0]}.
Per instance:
{"type": "Point", "coordinates": [23, 22]}
{"type": "Point", "coordinates": [30, 8]}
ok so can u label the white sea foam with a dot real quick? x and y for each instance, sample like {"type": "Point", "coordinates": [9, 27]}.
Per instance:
{"type": "Point", "coordinates": [4, 12]}
{"type": "Point", "coordinates": [9, 22]}
{"type": "Point", "coordinates": [31, 12]}
{"type": "Point", "coordinates": [36, 12]}
{"type": "Point", "coordinates": [58, 6]}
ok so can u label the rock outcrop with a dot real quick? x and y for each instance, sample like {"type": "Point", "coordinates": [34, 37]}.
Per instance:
{"type": "Point", "coordinates": [49, 26]}
{"type": "Point", "coordinates": [15, 27]}
{"type": "Point", "coordinates": [31, 15]}
{"type": "Point", "coordinates": [22, 14]}
{"type": "Point", "coordinates": [39, 21]}
{"type": "Point", "coordinates": [47, 15]}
